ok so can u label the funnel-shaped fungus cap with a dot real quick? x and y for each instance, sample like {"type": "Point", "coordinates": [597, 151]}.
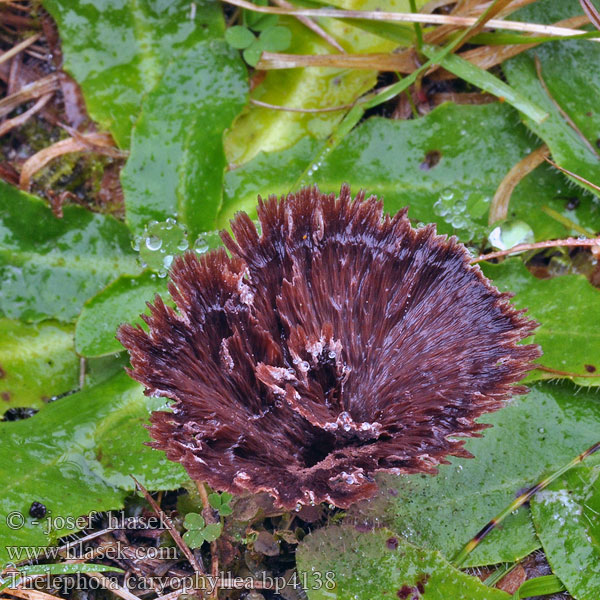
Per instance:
{"type": "Point", "coordinates": [336, 343]}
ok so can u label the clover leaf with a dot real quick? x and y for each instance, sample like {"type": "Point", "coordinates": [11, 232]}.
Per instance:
{"type": "Point", "coordinates": [220, 502]}
{"type": "Point", "coordinates": [198, 531]}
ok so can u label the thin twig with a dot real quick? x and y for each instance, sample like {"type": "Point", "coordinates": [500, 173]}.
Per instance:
{"type": "Point", "coordinates": [561, 110]}
{"type": "Point", "coordinates": [594, 242]}
{"type": "Point", "coordinates": [30, 594]}
{"type": "Point", "coordinates": [370, 62]}
{"type": "Point", "coordinates": [565, 373]}
{"type": "Point", "coordinates": [592, 12]}
{"type": "Point", "coordinates": [101, 143]}
{"type": "Point", "coordinates": [21, 119]}
{"type": "Point", "coordinates": [411, 18]}
{"type": "Point", "coordinates": [460, 558]}
{"type": "Point", "coordinates": [301, 110]}
{"type": "Point", "coordinates": [174, 533]}
{"type": "Point", "coordinates": [487, 57]}
{"type": "Point", "coordinates": [574, 175]}
{"type": "Point", "coordinates": [38, 88]}
{"type": "Point", "coordinates": [568, 223]}
{"type": "Point", "coordinates": [112, 586]}
{"type": "Point", "coordinates": [208, 515]}
{"type": "Point", "coordinates": [19, 47]}
{"type": "Point", "coordinates": [88, 141]}
{"type": "Point", "coordinates": [312, 26]}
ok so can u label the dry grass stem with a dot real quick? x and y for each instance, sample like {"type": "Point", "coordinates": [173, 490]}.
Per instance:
{"type": "Point", "coordinates": [174, 533]}
{"type": "Point", "coordinates": [208, 515]}
{"type": "Point", "coordinates": [370, 62]}
{"type": "Point", "coordinates": [574, 175]}
{"type": "Point", "coordinates": [101, 143]}
{"type": "Point", "coordinates": [19, 47]}
{"type": "Point", "coordinates": [565, 373]}
{"type": "Point", "coordinates": [546, 30]}
{"type": "Point", "coordinates": [312, 26]}
{"type": "Point", "coordinates": [487, 57]}
{"type": "Point", "coordinates": [501, 200]}
{"type": "Point", "coordinates": [34, 90]}
{"type": "Point", "coordinates": [575, 242]}
{"type": "Point", "coordinates": [301, 110]}
{"type": "Point", "coordinates": [21, 119]}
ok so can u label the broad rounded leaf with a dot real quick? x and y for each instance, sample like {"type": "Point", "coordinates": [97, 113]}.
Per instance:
{"type": "Point", "coordinates": [120, 302]}
{"type": "Point", "coordinates": [341, 563]}
{"type": "Point", "coordinates": [50, 266]}
{"type": "Point", "coordinates": [567, 519]}
{"type": "Point", "coordinates": [569, 71]}
{"type": "Point", "coordinates": [88, 443]}
{"type": "Point", "coordinates": [37, 361]}
{"type": "Point", "coordinates": [117, 50]}
{"type": "Point", "coordinates": [239, 37]}
{"type": "Point", "coordinates": [276, 39]}
{"type": "Point", "coordinates": [568, 310]}
{"type": "Point", "coordinates": [549, 427]}
{"type": "Point", "coordinates": [390, 158]}
{"type": "Point", "coordinates": [177, 161]}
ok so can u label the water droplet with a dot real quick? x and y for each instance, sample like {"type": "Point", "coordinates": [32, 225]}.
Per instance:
{"type": "Point", "coordinates": [510, 234]}
{"type": "Point", "coordinates": [200, 245]}
{"type": "Point", "coordinates": [162, 241]}
{"type": "Point", "coordinates": [447, 194]}
{"type": "Point", "coordinates": [153, 243]}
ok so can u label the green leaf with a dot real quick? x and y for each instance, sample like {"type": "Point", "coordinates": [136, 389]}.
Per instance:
{"type": "Point", "coordinates": [214, 500]}
{"type": "Point", "coordinates": [486, 81]}
{"type": "Point", "coordinates": [220, 502]}
{"type": "Point", "coordinates": [239, 37]}
{"type": "Point", "coordinates": [260, 22]}
{"type": "Point", "coordinates": [89, 444]}
{"type": "Point", "coordinates": [387, 158]}
{"type": "Point", "coordinates": [212, 531]}
{"type": "Point", "coordinates": [276, 39]}
{"type": "Point", "coordinates": [177, 160]}
{"type": "Point", "coordinates": [50, 266]}
{"type": "Point", "coordinates": [260, 129]}
{"type": "Point", "coordinates": [569, 69]}
{"type": "Point", "coordinates": [539, 586]}
{"type": "Point", "coordinates": [194, 521]}
{"type": "Point", "coordinates": [567, 519]}
{"type": "Point", "coordinates": [254, 19]}
{"type": "Point", "coordinates": [568, 310]}
{"type": "Point", "coordinates": [252, 53]}
{"type": "Point", "coordinates": [36, 362]}
{"type": "Point", "coordinates": [120, 302]}
{"type": "Point", "coordinates": [198, 531]}
{"type": "Point", "coordinates": [118, 50]}
{"type": "Point", "coordinates": [531, 437]}
{"type": "Point", "coordinates": [343, 564]}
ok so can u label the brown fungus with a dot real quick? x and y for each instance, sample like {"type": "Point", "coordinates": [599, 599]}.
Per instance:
{"type": "Point", "coordinates": [336, 344]}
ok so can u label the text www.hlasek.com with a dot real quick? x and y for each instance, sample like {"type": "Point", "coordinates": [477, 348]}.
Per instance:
{"type": "Point", "coordinates": [114, 552]}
